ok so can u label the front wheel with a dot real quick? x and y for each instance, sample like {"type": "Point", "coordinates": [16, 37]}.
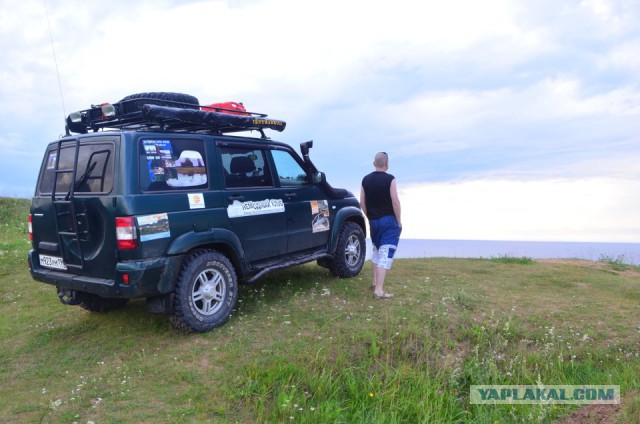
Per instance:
{"type": "Point", "coordinates": [350, 252]}
{"type": "Point", "coordinates": [206, 292]}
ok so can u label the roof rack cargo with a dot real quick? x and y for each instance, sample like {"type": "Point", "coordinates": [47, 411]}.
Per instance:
{"type": "Point", "coordinates": [227, 107]}
{"type": "Point", "coordinates": [169, 112]}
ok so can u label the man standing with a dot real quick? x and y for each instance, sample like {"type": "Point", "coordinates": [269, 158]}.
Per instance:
{"type": "Point", "coordinates": [380, 203]}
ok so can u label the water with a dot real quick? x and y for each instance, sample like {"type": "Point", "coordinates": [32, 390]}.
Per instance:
{"type": "Point", "coordinates": [628, 253]}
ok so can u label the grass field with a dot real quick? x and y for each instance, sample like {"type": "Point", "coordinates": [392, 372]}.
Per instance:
{"type": "Point", "coordinates": [305, 347]}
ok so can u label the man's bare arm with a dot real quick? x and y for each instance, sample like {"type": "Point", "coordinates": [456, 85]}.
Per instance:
{"type": "Point", "coordinates": [395, 201]}
{"type": "Point", "coordinates": [363, 204]}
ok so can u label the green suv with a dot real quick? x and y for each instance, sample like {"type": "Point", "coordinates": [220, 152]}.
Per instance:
{"type": "Point", "coordinates": [155, 197]}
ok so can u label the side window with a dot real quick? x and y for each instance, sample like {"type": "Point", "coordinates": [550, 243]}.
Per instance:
{"type": "Point", "coordinates": [245, 167]}
{"type": "Point", "coordinates": [172, 164]}
{"type": "Point", "coordinates": [94, 173]}
{"type": "Point", "coordinates": [290, 173]}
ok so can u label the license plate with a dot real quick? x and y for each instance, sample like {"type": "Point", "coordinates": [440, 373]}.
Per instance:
{"type": "Point", "coordinates": [52, 262]}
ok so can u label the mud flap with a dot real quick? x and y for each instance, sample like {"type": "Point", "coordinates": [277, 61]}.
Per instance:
{"type": "Point", "coordinates": [160, 304]}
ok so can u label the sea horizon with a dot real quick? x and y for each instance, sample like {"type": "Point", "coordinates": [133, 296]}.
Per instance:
{"type": "Point", "coordinates": [628, 253]}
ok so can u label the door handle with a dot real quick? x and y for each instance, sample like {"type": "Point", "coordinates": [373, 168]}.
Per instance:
{"type": "Point", "coordinates": [234, 198]}
{"type": "Point", "coordinates": [290, 195]}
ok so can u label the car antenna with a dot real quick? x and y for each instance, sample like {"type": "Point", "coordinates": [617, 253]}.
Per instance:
{"type": "Point", "coordinates": [55, 59]}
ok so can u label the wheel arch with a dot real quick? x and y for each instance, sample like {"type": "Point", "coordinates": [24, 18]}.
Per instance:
{"type": "Point", "coordinates": [223, 241]}
{"type": "Point", "coordinates": [348, 214]}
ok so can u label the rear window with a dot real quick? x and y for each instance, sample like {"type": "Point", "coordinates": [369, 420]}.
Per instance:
{"type": "Point", "coordinates": [167, 164]}
{"type": "Point", "coordinates": [94, 170]}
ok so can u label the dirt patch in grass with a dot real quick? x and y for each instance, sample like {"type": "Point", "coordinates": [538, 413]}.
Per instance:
{"type": "Point", "coordinates": [630, 271]}
{"type": "Point", "coordinates": [606, 414]}
{"type": "Point", "coordinates": [600, 414]}
{"type": "Point", "coordinates": [577, 262]}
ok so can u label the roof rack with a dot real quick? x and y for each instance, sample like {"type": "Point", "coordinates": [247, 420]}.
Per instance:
{"type": "Point", "coordinates": [153, 115]}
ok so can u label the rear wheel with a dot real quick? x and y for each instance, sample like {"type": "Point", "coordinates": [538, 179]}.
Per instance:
{"type": "Point", "coordinates": [350, 251]}
{"type": "Point", "coordinates": [206, 292]}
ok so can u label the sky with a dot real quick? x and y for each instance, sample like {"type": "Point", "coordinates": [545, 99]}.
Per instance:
{"type": "Point", "coordinates": [503, 120]}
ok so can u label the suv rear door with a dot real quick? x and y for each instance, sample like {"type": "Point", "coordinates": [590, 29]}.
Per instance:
{"type": "Point", "coordinates": [73, 227]}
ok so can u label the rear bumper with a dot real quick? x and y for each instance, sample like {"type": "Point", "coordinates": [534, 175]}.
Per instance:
{"type": "Point", "coordinates": [147, 278]}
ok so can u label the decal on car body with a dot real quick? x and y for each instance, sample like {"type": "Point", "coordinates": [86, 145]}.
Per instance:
{"type": "Point", "coordinates": [196, 201]}
{"type": "Point", "coordinates": [154, 226]}
{"type": "Point", "coordinates": [320, 213]}
{"type": "Point", "coordinates": [250, 208]}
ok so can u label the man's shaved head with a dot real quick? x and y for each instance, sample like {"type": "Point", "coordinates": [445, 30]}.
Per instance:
{"type": "Point", "coordinates": [381, 160]}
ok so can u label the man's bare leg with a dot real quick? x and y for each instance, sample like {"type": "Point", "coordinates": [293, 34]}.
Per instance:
{"type": "Point", "coordinates": [378, 291]}
{"type": "Point", "coordinates": [374, 269]}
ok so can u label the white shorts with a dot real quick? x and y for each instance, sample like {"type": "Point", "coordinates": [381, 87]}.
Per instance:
{"type": "Point", "coordinates": [383, 257]}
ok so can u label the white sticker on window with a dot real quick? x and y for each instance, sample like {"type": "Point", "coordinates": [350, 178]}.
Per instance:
{"type": "Point", "coordinates": [164, 166]}
{"type": "Point", "coordinates": [262, 207]}
{"type": "Point", "coordinates": [196, 201]}
{"type": "Point", "coordinates": [51, 161]}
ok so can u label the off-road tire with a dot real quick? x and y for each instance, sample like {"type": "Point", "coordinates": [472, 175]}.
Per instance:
{"type": "Point", "coordinates": [178, 100]}
{"type": "Point", "coordinates": [206, 292]}
{"type": "Point", "coordinates": [350, 252]}
{"type": "Point", "coordinates": [95, 303]}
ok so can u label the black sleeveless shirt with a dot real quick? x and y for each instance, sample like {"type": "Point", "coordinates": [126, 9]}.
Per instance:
{"type": "Point", "coordinates": [377, 192]}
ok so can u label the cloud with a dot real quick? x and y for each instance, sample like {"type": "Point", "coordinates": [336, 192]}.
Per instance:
{"type": "Point", "coordinates": [534, 92]}
{"type": "Point", "coordinates": [624, 57]}
{"type": "Point", "coordinates": [591, 209]}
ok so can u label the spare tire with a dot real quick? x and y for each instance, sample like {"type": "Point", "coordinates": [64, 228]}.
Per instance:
{"type": "Point", "coordinates": [134, 102]}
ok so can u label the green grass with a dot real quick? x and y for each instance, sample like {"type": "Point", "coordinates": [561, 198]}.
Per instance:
{"type": "Point", "coordinates": [506, 259]}
{"type": "Point", "coordinates": [617, 264]}
{"type": "Point", "coordinates": [14, 240]}
{"type": "Point", "coordinates": [302, 346]}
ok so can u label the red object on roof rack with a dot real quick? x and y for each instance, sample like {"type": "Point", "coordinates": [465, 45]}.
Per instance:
{"type": "Point", "coordinates": [233, 108]}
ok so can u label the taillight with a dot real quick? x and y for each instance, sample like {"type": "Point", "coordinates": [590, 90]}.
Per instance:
{"type": "Point", "coordinates": [126, 234]}
{"type": "Point", "coordinates": [30, 225]}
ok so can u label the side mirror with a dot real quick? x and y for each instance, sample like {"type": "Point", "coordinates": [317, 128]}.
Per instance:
{"type": "Point", "coordinates": [319, 178]}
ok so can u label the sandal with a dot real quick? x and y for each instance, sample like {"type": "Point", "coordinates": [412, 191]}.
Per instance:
{"type": "Point", "coordinates": [384, 295]}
